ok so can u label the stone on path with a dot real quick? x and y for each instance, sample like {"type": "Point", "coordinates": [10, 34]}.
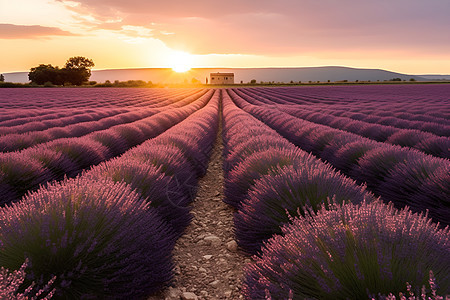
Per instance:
{"type": "Point", "coordinates": [232, 246]}
{"type": "Point", "coordinates": [189, 296]}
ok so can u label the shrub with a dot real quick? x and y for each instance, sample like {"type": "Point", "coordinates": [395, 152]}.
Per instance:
{"type": "Point", "coordinates": [432, 294]}
{"type": "Point", "coordinates": [350, 252]}
{"type": "Point", "coordinates": [131, 133]}
{"type": "Point", "coordinates": [243, 176]}
{"type": "Point", "coordinates": [98, 238]}
{"type": "Point", "coordinates": [160, 190]}
{"type": "Point", "coordinates": [112, 140]}
{"type": "Point", "coordinates": [346, 158]}
{"type": "Point", "coordinates": [376, 164]}
{"type": "Point", "coordinates": [253, 145]}
{"type": "Point", "coordinates": [11, 282]}
{"type": "Point", "coordinates": [196, 153]}
{"type": "Point", "coordinates": [58, 163]}
{"type": "Point", "coordinates": [437, 146]}
{"type": "Point", "coordinates": [406, 178]}
{"type": "Point", "coordinates": [18, 175]}
{"type": "Point", "coordinates": [274, 199]}
{"type": "Point", "coordinates": [171, 161]}
{"type": "Point", "coordinates": [407, 138]}
{"type": "Point", "coordinates": [82, 151]}
{"type": "Point", "coordinates": [433, 194]}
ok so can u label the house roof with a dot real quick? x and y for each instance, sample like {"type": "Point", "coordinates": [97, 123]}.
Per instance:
{"type": "Point", "coordinates": [222, 74]}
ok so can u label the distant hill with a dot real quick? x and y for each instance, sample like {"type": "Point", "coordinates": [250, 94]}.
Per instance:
{"type": "Point", "coordinates": [435, 77]}
{"type": "Point", "coordinates": [167, 75]}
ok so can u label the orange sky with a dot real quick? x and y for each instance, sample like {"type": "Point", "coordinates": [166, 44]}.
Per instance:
{"type": "Point", "coordinates": [407, 36]}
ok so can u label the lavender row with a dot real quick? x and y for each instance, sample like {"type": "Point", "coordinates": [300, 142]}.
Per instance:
{"type": "Point", "coordinates": [47, 118]}
{"type": "Point", "coordinates": [323, 250]}
{"type": "Point", "coordinates": [14, 142]}
{"type": "Point", "coordinates": [437, 127]}
{"type": "Point", "coordinates": [269, 180]}
{"type": "Point", "coordinates": [368, 99]}
{"type": "Point", "coordinates": [166, 168]}
{"type": "Point", "coordinates": [386, 116]}
{"type": "Point", "coordinates": [347, 251]}
{"type": "Point", "coordinates": [26, 170]}
{"type": "Point", "coordinates": [423, 141]}
{"type": "Point", "coordinates": [28, 138]}
{"type": "Point", "coordinates": [66, 116]}
{"type": "Point", "coordinates": [110, 232]}
{"type": "Point", "coordinates": [380, 116]}
{"type": "Point", "coordinates": [32, 102]}
{"type": "Point", "coordinates": [401, 175]}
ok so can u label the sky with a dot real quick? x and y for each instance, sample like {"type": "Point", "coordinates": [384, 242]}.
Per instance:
{"type": "Point", "coordinates": [406, 36]}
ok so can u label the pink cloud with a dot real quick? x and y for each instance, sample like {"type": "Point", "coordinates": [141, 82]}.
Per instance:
{"type": "Point", "coordinates": [301, 27]}
{"type": "Point", "coordinates": [11, 31]}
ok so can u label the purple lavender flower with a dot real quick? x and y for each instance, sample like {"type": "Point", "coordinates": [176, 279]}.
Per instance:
{"type": "Point", "coordinates": [161, 191]}
{"type": "Point", "coordinates": [97, 237]}
{"type": "Point", "coordinates": [11, 282]}
{"type": "Point", "coordinates": [243, 176]}
{"type": "Point", "coordinates": [276, 198]}
{"type": "Point", "coordinates": [349, 252]}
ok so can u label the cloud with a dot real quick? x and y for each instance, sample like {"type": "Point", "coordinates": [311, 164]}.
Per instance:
{"type": "Point", "coordinates": [284, 27]}
{"type": "Point", "coordinates": [12, 31]}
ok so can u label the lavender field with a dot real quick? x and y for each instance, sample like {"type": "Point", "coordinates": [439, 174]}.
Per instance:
{"type": "Point", "coordinates": [338, 192]}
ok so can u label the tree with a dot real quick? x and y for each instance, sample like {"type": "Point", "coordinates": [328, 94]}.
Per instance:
{"type": "Point", "coordinates": [253, 81]}
{"type": "Point", "coordinates": [2, 78]}
{"type": "Point", "coordinates": [77, 70]}
{"type": "Point", "coordinates": [46, 73]}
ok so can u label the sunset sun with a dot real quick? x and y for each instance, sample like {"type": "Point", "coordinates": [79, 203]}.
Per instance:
{"type": "Point", "coordinates": [181, 61]}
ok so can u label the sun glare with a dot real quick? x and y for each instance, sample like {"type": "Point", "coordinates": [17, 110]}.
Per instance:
{"type": "Point", "coordinates": [181, 61]}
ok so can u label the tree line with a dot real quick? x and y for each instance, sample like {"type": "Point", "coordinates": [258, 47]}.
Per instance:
{"type": "Point", "coordinates": [76, 71]}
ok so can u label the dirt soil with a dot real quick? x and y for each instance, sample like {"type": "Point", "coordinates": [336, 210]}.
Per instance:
{"type": "Point", "coordinates": [208, 263]}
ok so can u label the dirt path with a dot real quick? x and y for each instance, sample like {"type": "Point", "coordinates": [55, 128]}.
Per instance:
{"type": "Point", "coordinates": [208, 265]}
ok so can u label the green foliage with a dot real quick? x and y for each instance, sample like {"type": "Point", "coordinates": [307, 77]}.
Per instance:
{"type": "Point", "coordinates": [128, 83]}
{"type": "Point", "coordinates": [76, 71]}
{"type": "Point", "coordinates": [46, 73]}
{"type": "Point", "coordinates": [253, 81]}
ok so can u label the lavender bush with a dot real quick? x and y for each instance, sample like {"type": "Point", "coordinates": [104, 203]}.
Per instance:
{"type": "Point", "coordinates": [376, 164]}
{"type": "Point", "coordinates": [161, 191]}
{"type": "Point", "coordinates": [11, 282]}
{"type": "Point", "coordinates": [275, 199]}
{"type": "Point", "coordinates": [111, 140]}
{"type": "Point", "coordinates": [18, 175]}
{"type": "Point", "coordinates": [171, 161]}
{"type": "Point", "coordinates": [346, 157]}
{"type": "Point", "coordinates": [253, 145]}
{"type": "Point", "coordinates": [244, 175]}
{"type": "Point", "coordinates": [405, 179]}
{"type": "Point", "coordinates": [410, 295]}
{"type": "Point", "coordinates": [58, 163]}
{"type": "Point", "coordinates": [99, 238]}
{"type": "Point", "coordinates": [83, 152]}
{"type": "Point", "coordinates": [350, 252]}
